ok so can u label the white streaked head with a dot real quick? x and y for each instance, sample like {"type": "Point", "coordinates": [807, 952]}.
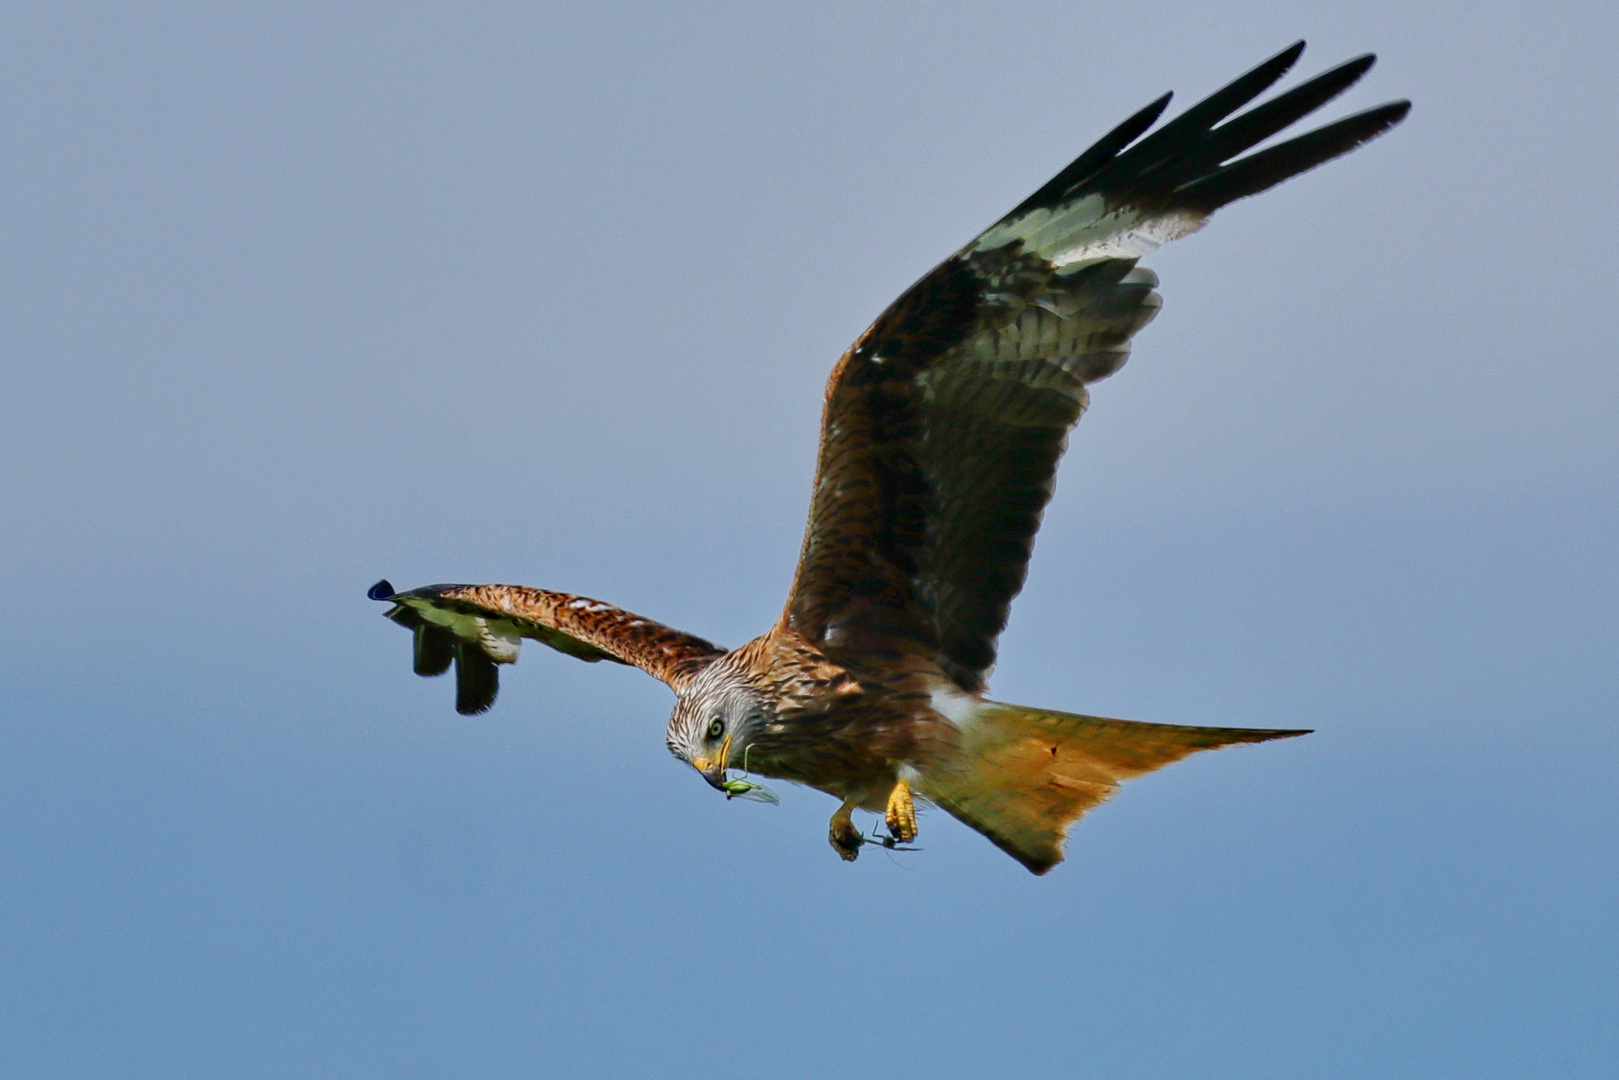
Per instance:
{"type": "Point", "coordinates": [714, 721]}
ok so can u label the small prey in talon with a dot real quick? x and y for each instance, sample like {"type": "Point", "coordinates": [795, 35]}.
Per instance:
{"type": "Point", "coordinates": [847, 839]}
{"type": "Point", "coordinates": [841, 831]}
{"type": "Point", "coordinates": [941, 431]}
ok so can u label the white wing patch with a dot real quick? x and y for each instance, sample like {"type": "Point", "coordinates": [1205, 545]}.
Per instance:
{"type": "Point", "coordinates": [952, 704]}
{"type": "Point", "coordinates": [501, 640]}
{"type": "Point", "coordinates": [501, 646]}
{"type": "Point", "coordinates": [1087, 231]}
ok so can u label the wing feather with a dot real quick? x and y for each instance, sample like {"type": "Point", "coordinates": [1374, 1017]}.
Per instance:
{"type": "Point", "coordinates": [480, 626]}
{"type": "Point", "coordinates": [434, 649]}
{"type": "Point", "coordinates": [945, 421]}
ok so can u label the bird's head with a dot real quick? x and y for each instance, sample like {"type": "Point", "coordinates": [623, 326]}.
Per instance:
{"type": "Point", "coordinates": [715, 721]}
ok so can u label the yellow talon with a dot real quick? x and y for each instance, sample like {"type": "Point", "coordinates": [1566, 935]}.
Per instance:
{"type": "Point", "coordinates": [901, 813]}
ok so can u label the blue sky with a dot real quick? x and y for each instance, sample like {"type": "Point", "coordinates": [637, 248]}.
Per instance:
{"type": "Point", "coordinates": [300, 295]}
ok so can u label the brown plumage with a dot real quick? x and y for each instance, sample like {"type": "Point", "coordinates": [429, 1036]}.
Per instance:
{"type": "Point", "coordinates": [942, 430]}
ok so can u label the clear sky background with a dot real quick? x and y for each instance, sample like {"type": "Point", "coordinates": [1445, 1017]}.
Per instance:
{"type": "Point", "coordinates": [299, 295]}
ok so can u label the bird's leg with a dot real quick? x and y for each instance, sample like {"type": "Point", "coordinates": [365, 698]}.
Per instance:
{"type": "Point", "coordinates": [845, 838]}
{"type": "Point", "coordinates": [901, 813]}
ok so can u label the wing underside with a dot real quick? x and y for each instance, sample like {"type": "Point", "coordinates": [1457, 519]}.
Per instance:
{"type": "Point", "coordinates": [944, 423]}
{"type": "Point", "coordinates": [477, 627]}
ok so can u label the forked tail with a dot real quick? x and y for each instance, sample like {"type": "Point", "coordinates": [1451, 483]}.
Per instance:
{"type": "Point", "coordinates": [1025, 775]}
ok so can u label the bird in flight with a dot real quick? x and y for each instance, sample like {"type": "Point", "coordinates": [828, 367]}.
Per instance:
{"type": "Point", "coordinates": [941, 432]}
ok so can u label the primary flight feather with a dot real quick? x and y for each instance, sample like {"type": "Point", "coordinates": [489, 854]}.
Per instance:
{"type": "Point", "coordinates": [942, 430]}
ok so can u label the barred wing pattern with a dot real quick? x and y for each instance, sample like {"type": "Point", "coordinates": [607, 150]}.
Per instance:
{"type": "Point", "coordinates": [476, 627]}
{"type": "Point", "coordinates": [944, 423]}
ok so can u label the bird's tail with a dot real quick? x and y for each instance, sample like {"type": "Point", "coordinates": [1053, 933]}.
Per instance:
{"type": "Point", "coordinates": [1025, 775]}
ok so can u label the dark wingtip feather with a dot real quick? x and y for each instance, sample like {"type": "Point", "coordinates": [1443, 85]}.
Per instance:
{"type": "Point", "coordinates": [477, 679]}
{"type": "Point", "coordinates": [1192, 126]}
{"type": "Point", "coordinates": [1097, 155]}
{"type": "Point", "coordinates": [382, 590]}
{"type": "Point", "coordinates": [1257, 172]}
{"type": "Point", "coordinates": [1265, 120]}
{"type": "Point", "coordinates": [1247, 130]}
{"type": "Point", "coordinates": [1244, 88]}
{"type": "Point", "coordinates": [1241, 90]}
{"type": "Point", "coordinates": [434, 650]}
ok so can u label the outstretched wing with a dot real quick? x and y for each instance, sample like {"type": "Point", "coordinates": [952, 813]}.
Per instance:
{"type": "Point", "coordinates": [944, 423]}
{"type": "Point", "coordinates": [476, 627]}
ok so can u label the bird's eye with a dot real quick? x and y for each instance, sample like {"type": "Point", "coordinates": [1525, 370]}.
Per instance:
{"type": "Point", "coordinates": [716, 728]}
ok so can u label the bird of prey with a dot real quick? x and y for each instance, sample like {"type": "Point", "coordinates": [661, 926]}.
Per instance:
{"type": "Point", "coordinates": [941, 432]}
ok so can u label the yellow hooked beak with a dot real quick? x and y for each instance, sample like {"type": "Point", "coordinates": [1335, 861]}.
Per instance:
{"type": "Point", "coordinates": [714, 771]}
